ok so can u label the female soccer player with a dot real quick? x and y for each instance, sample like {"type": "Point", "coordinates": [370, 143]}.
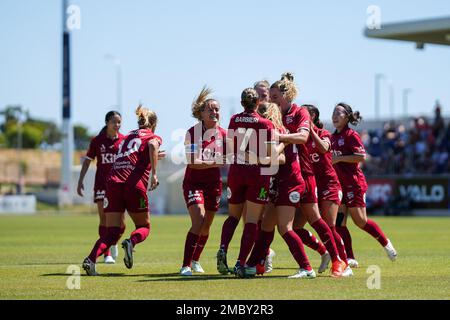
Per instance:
{"type": "Point", "coordinates": [248, 183]}
{"type": "Point", "coordinates": [286, 186]}
{"type": "Point", "coordinates": [104, 148]}
{"type": "Point", "coordinates": [328, 187]}
{"type": "Point", "coordinates": [297, 121]}
{"type": "Point", "coordinates": [128, 180]}
{"type": "Point", "coordinates": [348, 152]}
{"type": "Point", "coordinates": [202, 185]}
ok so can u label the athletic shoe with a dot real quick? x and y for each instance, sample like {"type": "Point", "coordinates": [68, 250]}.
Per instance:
{"type": "Point", "coordinates": [302, 273]}
{"type": "Point", "coordinates": [390, 250]}
{"type": "Point", "coordinates": [186, 271]}
{"type": "Point", "coordinates": [128, 257]}
{"type": "Point", "coordinates": [250, 272]}
{"type": "Point", "coordinates": [235, 268]}
{"type": "Point", "coordinates": [337, 268]}
{"type": "Point", "coordinates": [352, 263]}
{"type": "Point", "coordinates": [114, 250]}
{"type": "Point", "coordinates": [89, 267]}
{"type": "Point", "coordinates": [268, 264]}
{"type": "Point", "coordinates": [196, 267]}
{"type": "Point", "coordinates": [222, 266]}
{"type": "Point", "coordinates": [239, 270]}
{"type": "Point", "coordinates": [348, 272]}
{"type": "Point", "coordinates": [324, 262]}
{"type": "Point", "coordinates": [109, 260]}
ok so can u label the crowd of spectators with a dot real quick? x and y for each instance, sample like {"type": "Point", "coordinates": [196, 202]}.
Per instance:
{"type": "Point", "coordinates": [420, 147]}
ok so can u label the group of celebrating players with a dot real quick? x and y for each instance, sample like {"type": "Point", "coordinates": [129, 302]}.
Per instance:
{"type": "Point", "coordinates": [284, 170]}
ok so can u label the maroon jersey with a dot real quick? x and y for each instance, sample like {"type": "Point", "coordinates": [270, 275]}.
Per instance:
{"type": "Point", "coordinates": [347, 142]}
{"type": "Point", "coordinates": [132, 165]}
{"type": "Point", "coordinates": [294, 120]}
{"type": "Point", "coordinates": [250, 132]}
{"type": "Point", "coordinates": [208, 147]}
{"type": "Point", "coordinates": [321, 162]}
{"type": "Point", "coordinates": [104, 149]}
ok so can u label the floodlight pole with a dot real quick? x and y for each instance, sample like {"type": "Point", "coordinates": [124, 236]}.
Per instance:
{"type": "Point", "coordinates": [378, 78]}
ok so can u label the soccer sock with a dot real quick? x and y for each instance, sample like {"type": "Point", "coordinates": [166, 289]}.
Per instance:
{"type": "Point", "coordinates": [122, 230]}
{"type": "Point", "coordinates": [272, 235]}
{"type": "Point", "coordinates": [247, 241]}
{"type": "Point", "coordinates": [228, 228]}
{"type": "Point", "coordinates": [325, 234]}
{"type": "Point", "coordinates": [262, 245]}
{"type": "Point", "coordinates": [104, 243]}
{"type": "Point", "coordinates": [347, 238]}
{"type": "Point", "coordinates": [189, 248]}
{"type": "Point", "coordinates": [296, 247]}
{"type": "Point", "coordinates": [339, 244]}
{"type": "Point", "coordinates": [200, 245]}
{"type": "Point", "coordinates": [140, 234]}
{"type": "Point", "coordinates": [102, 230]}
{"type": "Point", "coordinates": [374, 230]}
{"type": "Point", "coordinates": [310, 240]}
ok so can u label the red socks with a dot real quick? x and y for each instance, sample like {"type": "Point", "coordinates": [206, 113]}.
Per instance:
{"type": "Point", "coordinates": [325, 234]}
{"type": "Point", "coordinates": [374, 230]}
{"type": "Point", "coordinates": [296, 247]}
{"type": "Point", "coordinates": [140, 234]}
{"type": "Point", "coordinates": [102, 231]}
{"type": "Point", "coordinates": [200, 245]}
{"type": "Point", "coordinates": [347, 238]}
{"type": "Point", "coordinates": [102, 244]}
{"type": "Point", "coordinates": [310, 241]}
{"type": "Point", "coordinates": [189, 248]}
{"type": "Point", "coordinates": [228, 228]}
{"type": "Point", "coordinates": [247, 241]}
{"type": "Point", "coordinates": [339, 244]}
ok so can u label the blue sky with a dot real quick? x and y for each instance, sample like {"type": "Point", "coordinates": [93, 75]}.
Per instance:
{"type": "Point", "coordinates": [170, 49]}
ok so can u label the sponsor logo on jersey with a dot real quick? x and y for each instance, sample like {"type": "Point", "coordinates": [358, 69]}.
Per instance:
{"type": "Point", "coordinates": [108, 158]}
{"type": "Point", "coordinates": [314, 157]}
{"type": "Point", "coordinates": [294, 197]}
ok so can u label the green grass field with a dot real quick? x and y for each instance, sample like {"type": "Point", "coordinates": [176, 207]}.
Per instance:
{"type": "Point", "coordinates": [36, 252]}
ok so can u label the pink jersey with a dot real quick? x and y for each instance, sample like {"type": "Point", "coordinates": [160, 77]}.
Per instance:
{"type": "Point", "coordinates": [132, 165]}
{"type": "Point", "coordinates": [322, 162]}
{"type": "Point", "coordinates": [347, 142]}
{"type": "Point", "coordinates": [211, 146]}
{"type": "Point", "coordinates": [250, 132]}
{"type": "Point", "coordinates": [104, 149]}
{"type": "Point", "coordinates": [294, 120]}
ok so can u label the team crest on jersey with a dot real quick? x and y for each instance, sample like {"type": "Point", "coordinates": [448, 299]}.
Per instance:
{"type": "Point", "coordinates": [341, 142]}
{"type": "Point", "coordinates": [294, 197]}
{"type": "Point", "coordinates": [229, 194]}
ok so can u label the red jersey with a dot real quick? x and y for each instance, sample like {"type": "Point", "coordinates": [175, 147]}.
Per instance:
{"type": "Point", "coordinates": [347, 142]}
{"type": "Point", "coordinates": [294, 120]}
{"type": "Point", "coordinates": [132, 165]}
{"type": "Point", "coordinates": [104, 149]}
{"type": "Point", "coordinates": [210, 146]}
{"type": "Point", "coordinates": [321, 162]}
{"type": "Point", "coordinates": [291, 168]}
{"type": "Point", "coordinates": [250, 132]}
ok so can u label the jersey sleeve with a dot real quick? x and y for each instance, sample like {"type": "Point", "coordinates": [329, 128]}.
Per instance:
{"type": "Point", "coordinates": [303, 120]}
{"type": "Point", "coordinates": [92, 151]}
{"type": "Point", "coordinates": [355, 144]}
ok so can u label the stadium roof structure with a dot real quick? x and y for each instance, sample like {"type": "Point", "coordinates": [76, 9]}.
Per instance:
{"type": "Point", "coordinates": [435, 31]}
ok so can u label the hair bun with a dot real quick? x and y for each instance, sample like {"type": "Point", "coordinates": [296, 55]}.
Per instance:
{"type": "Point", "coordinates": [289, 76]}
{"type": "Point", "coordinates": [249, 95]}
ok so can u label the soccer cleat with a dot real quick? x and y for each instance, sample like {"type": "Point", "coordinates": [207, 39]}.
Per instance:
{"type": "Point", "coordinates": [337, 268]}
{"type": "Point", "coordinates": [109, 260]}
{"type": "Point", "coordinates": [250, 272]}
{"type": "Point", "coordinates": [128, 258]}
{"type": "Point", "coordinates": [324, 262]}
{"type": "Point", "coordinates": [196, 267]}
{"type": "Point", "coordinates": [303, 274]}
{"type": "Point", "coordinates": [222, 266]}
{"type": "Point", "coordinates": [268, 264]}
{"type": "Point", "coordinates": [186, 271]}
{"type": "Point", "coordinates": [352, 263]}
{"type": "Point", "coordinates": [114, 251]}
{"type": "Point", "coordinates": [348, 272]}
{"type": "Point", "coordinates": [390, 250]}
{"type": "Point", "coordinates": [89, 267]}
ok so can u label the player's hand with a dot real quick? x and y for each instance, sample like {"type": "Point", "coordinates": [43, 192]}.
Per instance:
{"type": "Point", "coordinates": [335, 159]}
{"type": "Point", "coordinates": [161, 154]}
{"type": "Point", "coordinates": [154, 183]}
{"type": "Point", "coordinates": [80, 189]}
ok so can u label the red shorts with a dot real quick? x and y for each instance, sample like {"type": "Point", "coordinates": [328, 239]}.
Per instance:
{"type": "Point", "coordinates": [354, 196]}
{"type": "Point", "coordinates": [203, 193]}
{"type": "Point", "coordinates": [246, 183]}
{"type": "Point", "coordinates": [310, 194]}
{"type": "Point", "coordinates": [120, 197]}
{"type": "Point", "coordinates": [286, 192]}
{"type": "Point", "coordinates": [330, 191]}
